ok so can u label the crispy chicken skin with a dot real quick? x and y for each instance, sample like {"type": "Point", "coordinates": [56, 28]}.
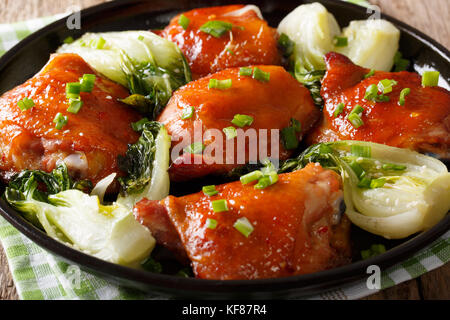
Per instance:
{"type": "Point", "coordinates": [422, 124]}
{"type": "Point", "coordinates": [297, 223]}
{"type": "Point", "coordinates": [272, 104]}
{"type": "Point", "coordinates": [90, 142]}
{"type": "Point", "coordinates": [251, 40]}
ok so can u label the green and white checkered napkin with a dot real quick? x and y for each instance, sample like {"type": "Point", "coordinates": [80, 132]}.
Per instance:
{"type": "Point", "coordinates": [41, 275]}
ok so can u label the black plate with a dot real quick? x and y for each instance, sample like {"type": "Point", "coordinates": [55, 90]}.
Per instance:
{"type": "Point", "coordinates": [26, 58]}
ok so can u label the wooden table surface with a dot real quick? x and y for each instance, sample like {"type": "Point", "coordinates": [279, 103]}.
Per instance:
{"type": "Point", "coordinates": [431, 17]}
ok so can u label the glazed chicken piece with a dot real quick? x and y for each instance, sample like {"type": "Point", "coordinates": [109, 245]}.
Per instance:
{"type": "Point", "coordinates": [297, 227]}
{"type": "Point", "coordinates": [250, 40]}
{"type": "Point", "coordinates": [421, 124]}
{"type": "Point", "coordinates": [272, 105]}
{"type": "Point", "coordinates": [91, 140]}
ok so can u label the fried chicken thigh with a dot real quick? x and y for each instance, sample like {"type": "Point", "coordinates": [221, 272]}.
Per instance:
{"type": "Point", "coordinates": [250, 40]}
{"type": "Point", "coordinates": [271, 104]}
{"type": "Point", "coordinates": [90, 141]}
{"type": "Point", "coordinates": [297, 227]}
{"type": "Point", "coordinates": [421, 124]}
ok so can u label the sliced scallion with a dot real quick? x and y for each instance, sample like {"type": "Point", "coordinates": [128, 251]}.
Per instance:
{"type": "Point", "coordinates": [25, 104]}
{"type": "Point", "coordinates": [230, 132]}
{"type": "Point", "coordinates": [195, 148]}
{"type": "Point", "coordinates": [60, 121]}
{"type": "Point", "coordinates": [210, 190]}
{"type": "Point", "coordinates": [245, 71]}
{"type": "Point", "coordinates": [260, 75]}
{"type": "Point", "coordinates": [339, 109]}
{"type": "Point", "coordinates": [430, 78]}
{"type": "Point", "coordinates": [243, 226]}
{"type": "Point", "coordinates": [242, 120]}
{"type": "Point", "coordinates": [403, 94]}
{"type": "Point", "coordinates": [219, 205]}
{"type": "Point", "coordinates": [183, 21]}
{"type": "Point", "coordinates": [250, 177]}
{"type": "Point", "coordinates": [188, 112]}
{"type": "Point", "coordinates": [211, 223]}
{"type": "Point", "coordinates": [219, 84]}
{"type": "Point", "coordinates": [216, 28]}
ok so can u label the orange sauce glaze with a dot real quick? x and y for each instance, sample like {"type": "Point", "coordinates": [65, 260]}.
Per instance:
{"type": "Point", "coordinates": [272, 104]}
{"type": "Point", "coordinates": [421, 124]}
{"type": "Point", "coordinates": [256, 43]}
{"type": "Point", "coordinates": [295, 227]}
{"type": "Point", "coordinates": [101, 129]}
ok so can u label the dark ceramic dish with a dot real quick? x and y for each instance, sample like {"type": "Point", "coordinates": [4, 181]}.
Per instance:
{"type": "Point", "coordinates": [28, 57]}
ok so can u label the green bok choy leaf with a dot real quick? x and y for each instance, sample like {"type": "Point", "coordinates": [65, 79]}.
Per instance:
{"type": "Point", "coordinates": [146, 164]}
{"type": "Point", "coordinates": [388, 191]}
{"type": "Point", "coordinates": [149, 66]}
{"type": "Point", "coordinates": [73, 217]}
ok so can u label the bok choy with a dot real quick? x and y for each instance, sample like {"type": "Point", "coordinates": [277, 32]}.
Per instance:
{"type": "Point", "coordinates": [388, 191]}
{"type": "Point", "coordinates": [146, 163]}
{"type": "Point", "coordinates": [71, 216]}
{"type": "Point", "coordinates": [149, 66]}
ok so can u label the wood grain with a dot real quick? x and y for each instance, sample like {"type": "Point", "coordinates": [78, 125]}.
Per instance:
{"type": "Point", "coordinates": [431, 17]}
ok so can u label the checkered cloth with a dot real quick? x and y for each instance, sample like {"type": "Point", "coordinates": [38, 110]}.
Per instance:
{"type": "Point", "coordinates": [40, 275]}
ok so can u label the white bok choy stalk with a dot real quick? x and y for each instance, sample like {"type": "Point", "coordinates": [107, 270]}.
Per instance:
{"type": "Point", "coordinates": [146, 163]}
{"type": "Point", "coordinates": [75, 218]}
{"type": "Point", "coordinates": [388, 191]}
{"type": "Point", "coordinates": [151, 67]}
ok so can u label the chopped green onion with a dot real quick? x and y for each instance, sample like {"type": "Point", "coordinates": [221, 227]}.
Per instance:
{"type": "Point", "coordinates": [230, 132]}
{"type": "Point", "coordinates": [211, 223]}
{"type": "Point", "coordinates": [339, 109]}
{"type": "Point", "coordinates": [260, 75]}
{"type": "Point", "coordinates": [371, 92]}
{"type": "Point", "coordinates": [195, 148]}
{"type": "Point", "coordinates": [403, 94]}
{"type": "Point", "coordinates": [245, 71]}
{"type": "Point", "coordinates": [371, 73]}
{"type": "Point", "coordinates": [340, 41]}
{"type": "Point", "coordinates": [400, 63]}
{"type": "Point", "coordinates": [141, 37]}
{"type": "Point", "coordinates": [219, 84]}
{"type": "Point", "coordinates": [430, 78]}
{"type": "Point", "coordinates": [289, 137]}
{"type": "Point", "coordinates": [355, 120]}
{"type": "Point", "coordinates": [377, 183]}
{"type": "Point", "coordinates": [392, 166]}
{"type": "Point", "coordinates": [184, 21]}
{"type": "Point", "coordinates": [73, 90]}
{"type": "Point", "coordinates": [296, 125]}
{"type": "Point", "coordinates": [216, 28]}
{"type": "Point", "coordinates": [286, 44]}
{"type": "Point", "coordinates": [68, 40]}
{"type": "Point", "coordinates": [188, 112]}
{"type": "Point", "coordinates": [60, 121]}
{"type": "Point", "coordinates": [25, 104]}
{"type": "Point", "coordinates": [361, 151]}
{"type": "Point", "coordinates": [250, 177]}
{"type": "Point", "coordinates": [219, 205]}
{"type": "Point", "coordinates": [243, 226]}
{"type": "Point", "coordinates": [74, 105]}
{"type": "Point", "coordinates": [357, 110]}
{"type": "Point", "coordinates": [210, 190]}
{"type": "Point", "coordinates": [139, 125]}
{"type": "Point", "coordinates": [386, 85]}
{"type": "Point", "coordinates": [267, 180]}
{"type": "Point", "coordinates": [242, 120]}
{"type": "Point", "coordinates": [87, 82]}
